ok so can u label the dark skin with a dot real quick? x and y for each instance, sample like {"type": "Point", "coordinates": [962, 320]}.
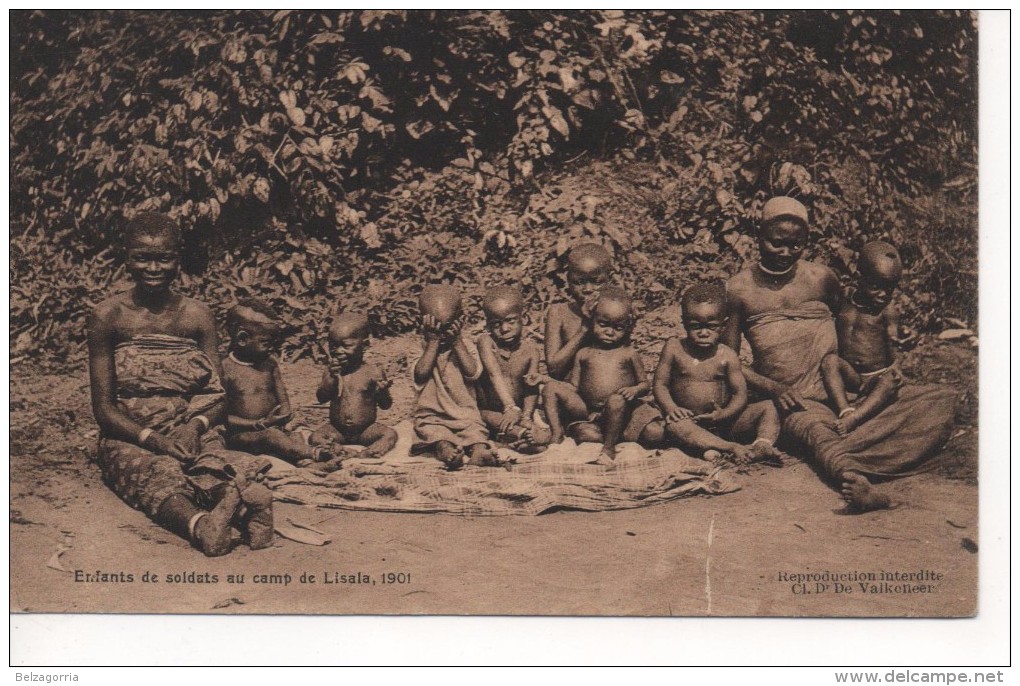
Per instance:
{"type": "Point", "coordinates": [257, 402]}
{"type": "Point", "coordinates": [353, 413]}
{"type": "Point", "coordinates": [441, 337]}
{"type": "Point", "coordinates": [151, 307]}
{"type": "Point", "coordinates": [866, 327]}
{"type": "Point", "coordinates": [698, 381]}
{"type": "Point", "coordinates": [568, 325]}
{"type": "Point", "coordinates": [755, 290]}
{"type": "Point", "coordinates": [505, 400]}
{"type": "Point", "coordinates": [608, 375]}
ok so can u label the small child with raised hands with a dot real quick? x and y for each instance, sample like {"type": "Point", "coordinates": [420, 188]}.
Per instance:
{"type": "Point", "coordinates": [258, 407]}
{"type": "Point", "coordinates": [601, 400]}
{"type": "Point", "coordinates": [701, 390]}
{"type": "Point", "coordinates": [447, 421]}
{"type": "Point", "coordinates": [506, 402]}
{"type": "Point", "coordinates": [355, 390]}
{"type": "Point", "coordinates": [866, 328]}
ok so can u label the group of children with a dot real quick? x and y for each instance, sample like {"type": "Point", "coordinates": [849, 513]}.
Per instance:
{"type": "Point", "coordinates": [474, 396]}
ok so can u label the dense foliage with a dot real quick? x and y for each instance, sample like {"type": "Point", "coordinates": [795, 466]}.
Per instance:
{"type": "Point", "coordinates": [317, 158]}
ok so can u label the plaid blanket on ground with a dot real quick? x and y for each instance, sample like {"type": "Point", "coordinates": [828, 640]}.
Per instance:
{"type": "Point", "coordinates": [558, 478]}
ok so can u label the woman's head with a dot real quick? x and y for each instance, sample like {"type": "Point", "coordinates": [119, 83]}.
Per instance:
{"type": "Point", "coordinates": [153, 244]}
{"type": "Point", "coordinates": [783, 234]}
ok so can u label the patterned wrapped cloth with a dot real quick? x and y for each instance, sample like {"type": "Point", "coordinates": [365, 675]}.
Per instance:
{"type": "Point", "coordinates": [788, 347]}
{"type": "Point", "coordinates": [163, 382]}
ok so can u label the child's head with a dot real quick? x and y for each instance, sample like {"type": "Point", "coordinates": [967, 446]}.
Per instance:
{"type": "Point", "coordinates": [880, 270]}
{"type": "Point", "coordinates": [613, 316]}
{"type": "Point", "coordinates": [588, 269]}
{"type": "Point", "coordinates": [441, 302]}
{"type": "Point", "coordinates": [153, 246]}
{"type": "Point", "coordinates": [504, 314]}
{"type": "Point", "coordinates": [254, 329]}
{"type": "Point", "coordinates": [783, 234]}
{"type": "Point", "coordinates": [703, 311]}
{"type": "Point", "coordinates": [348, 338]}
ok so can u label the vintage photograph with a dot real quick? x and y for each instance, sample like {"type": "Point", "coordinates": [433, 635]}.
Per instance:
{"type": "Point", "coordinates": [501, 312]}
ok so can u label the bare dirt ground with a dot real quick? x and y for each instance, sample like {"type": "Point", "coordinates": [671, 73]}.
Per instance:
{"type": "Point", "coordinates": [727, 555]}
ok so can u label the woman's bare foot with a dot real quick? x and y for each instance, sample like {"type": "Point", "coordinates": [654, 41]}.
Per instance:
{"type": "Point", "coordinates": [211, 532]}
{"type": "Point", "coordinates": [450, 455]}
{"type": "Point", "coordinates": [742, 455]}
{"type": "Point", "coordinates": [258, 518]}
{"type": "Point", "coordinates": [860, 495]}
{"type": "Point", "coordinates": [482, 456]}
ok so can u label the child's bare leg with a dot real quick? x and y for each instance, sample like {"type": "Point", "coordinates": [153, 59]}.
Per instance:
{"type": "Point", "coordinates": [860, 495]}
{"type": "Point", "coordinates": [690, 436]}
{"type": "Point", "coordinates": [449, 454]}
{"type": "Point", "coordinates": [492, 419]}
{"type": "Point", "coordinates": [881, 396]}
{"type": "Point", "coordinates": [276, 442]}
{"type": "Point", "coordinates": [760, 423]}
{"type": "Point", "coordinates": [586, 432]}
{"type": "Point", "coordinates": [653, 435]}
{"type": "Point", "coordinates": [379, 438]}
{"type": "Point", "coordinates": [614, 416]}
{"type": "Point", "coordinates": [562, 401]}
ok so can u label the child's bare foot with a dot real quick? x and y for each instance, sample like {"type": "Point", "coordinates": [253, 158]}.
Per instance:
{"type": "Point", "coordinates": [482, 456]}
{"type": "Point", "coordinates": [450, 455]}
{"type": "Point", "coordinates": [860, 495]}
{"type": "Point", "coordinates": [764, 452]}
{"type": "Point", "coordinates": [742, 454]}
{"type": "Point", "coordinates": [846, 423]}
{"type": "Point", "coordinates": [556, 437]}
{"type": "Point", "coordinates": [605, 458]}
{"type": "Point", "coordinates": [712, 455]}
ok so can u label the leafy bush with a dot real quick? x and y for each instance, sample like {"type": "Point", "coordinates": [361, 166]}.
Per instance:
{"type": "Point", "coordinates": [317, 158]}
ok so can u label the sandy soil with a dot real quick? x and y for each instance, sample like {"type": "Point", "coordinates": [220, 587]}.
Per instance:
{"type": "Point", "coordinates": [727, 555]}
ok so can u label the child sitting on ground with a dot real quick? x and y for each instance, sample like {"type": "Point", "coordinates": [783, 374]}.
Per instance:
{"type": "Point", "coordinates": [506, 402]}
{"type": "Point", "coordinates": [600, 402]}
{"type": "Point", "coordinates": [447, 421]}
{"type": "Point", "coordinates": [257, 404]}
{"type": "Point", "coordinates": [701, 389]}
{"type": "Point", "coordinates": [355, 390]}
{"type": "Point", "coordinates": [866, 328]}
{"type": "Point", "coordinates": [568, 325]}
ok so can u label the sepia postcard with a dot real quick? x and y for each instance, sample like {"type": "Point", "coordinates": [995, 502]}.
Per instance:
{"type": "Point", "coordinates": [502, 312]}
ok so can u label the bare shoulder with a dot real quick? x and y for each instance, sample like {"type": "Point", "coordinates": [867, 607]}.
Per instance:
{"type": "Point", "coordinates": [739, 283]}
{"type": "Point", "coordinates": [530, 348]}
{"type": "Point", "coordinates": [671, 347]}
{"type": "Point", "coordinates": [107, 308]}
{"type": "Point", "coordinates": [727, 354]}
{"type": "Point", "coordinates": [818, 271]}
{"type": "Point", "coordinates": [196, 310]}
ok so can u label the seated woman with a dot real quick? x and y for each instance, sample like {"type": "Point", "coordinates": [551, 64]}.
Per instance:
{"type": "Point", "coordinates": [785, 305]}
{"type": "Point", "coordinates": [153, 368]}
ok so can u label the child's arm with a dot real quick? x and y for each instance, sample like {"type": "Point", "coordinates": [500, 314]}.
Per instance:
{"type": "Point", "coordinates": [737, 387]}
{"type": "Point", "coordinates": [423, 368]}
{"type": "Point", "coordinates": [892, 328]}
{"type": "Point", "coordinates": [383, 397]}
{"type": "Point", "coordinates": [559, 354]}
{"type": "Point", "coordinates": [469, 364]}
{"type": "Point", "coordinates": [327, 387]}
{"type": "Point", "coordinates": [640, 388]}
{"type": "Point", "coordinates": [530, 394]}
{"type": "Point", "coordinates": [575, 371]}
{"type": "Point", "coordinates": [490, 366]}
{"type": "Point", "coordinates": [282, 413]}
{"type": "Point", "coordinates": [661, 382]}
